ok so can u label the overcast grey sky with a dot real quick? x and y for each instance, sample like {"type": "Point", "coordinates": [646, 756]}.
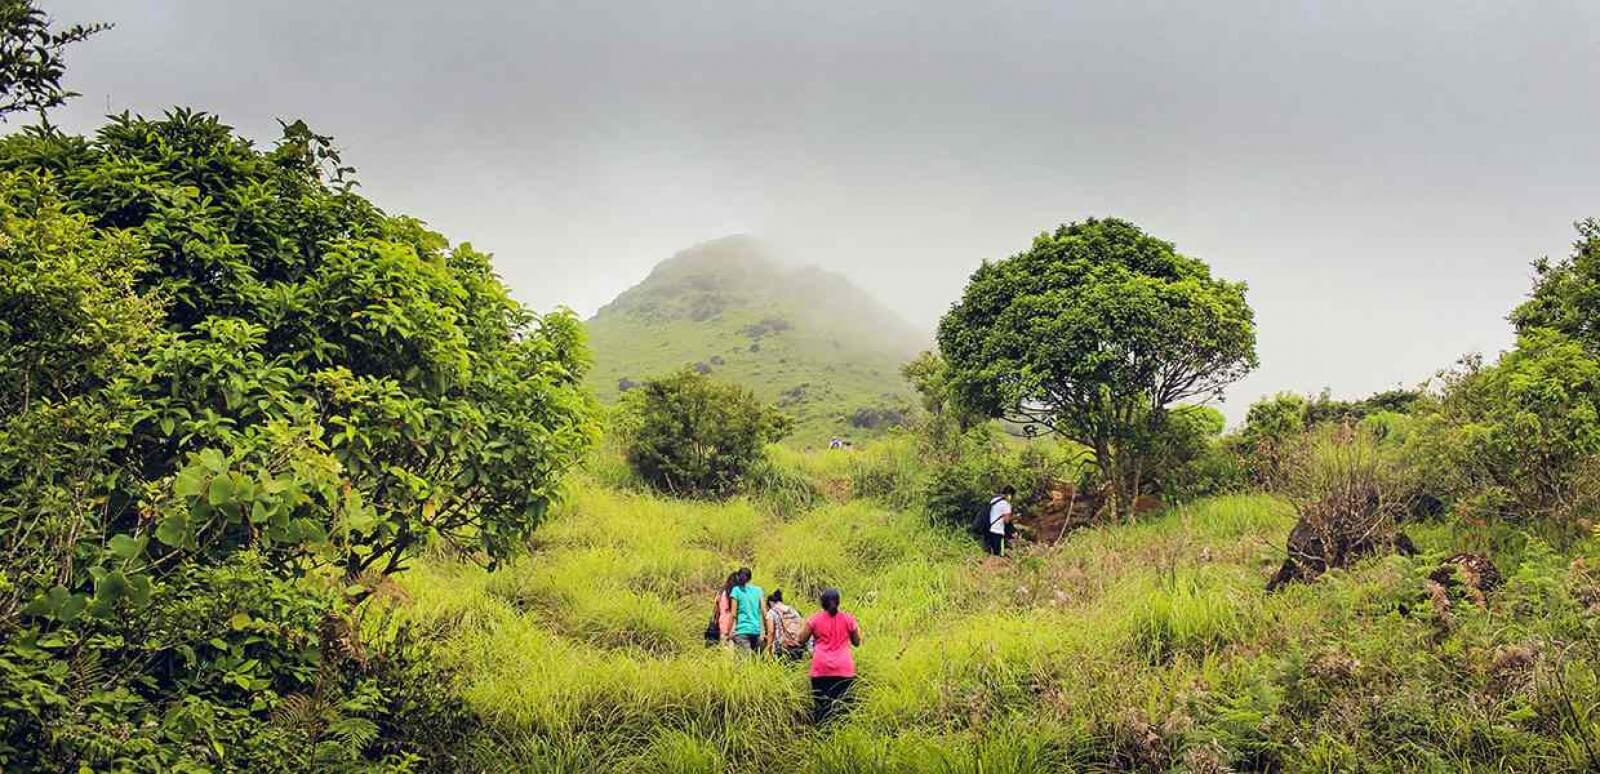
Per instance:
{"type": "Point", "coordinates": [1381, 173]}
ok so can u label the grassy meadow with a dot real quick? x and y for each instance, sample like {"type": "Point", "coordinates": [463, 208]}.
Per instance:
{"type": "Point", "coordinates": [1148, 646]}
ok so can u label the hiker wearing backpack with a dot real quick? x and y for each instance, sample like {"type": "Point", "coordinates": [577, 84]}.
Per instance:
{"type": "Point", "coordinates": [721, 626]}
{"type": "Point", "coordinates": [997, 520]}
{"type": "Point", "coordinates": [749, 613]}
{"type": "Point", "coordinates": [786, 626]}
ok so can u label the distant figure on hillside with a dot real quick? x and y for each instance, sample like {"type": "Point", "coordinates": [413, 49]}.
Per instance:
{"type": "Point", "coordinates": [833, 667]}
{"type": "Point", "coordinates": [749, 613]}
{"type": "Point", "coordinates": [787, 627]}
{"type": "Point", "coordinates": [1000, 515]}
{"type": "Point", "coordinates": [836, 443]}
{"type": "Point", "coordinates": [721, 626]}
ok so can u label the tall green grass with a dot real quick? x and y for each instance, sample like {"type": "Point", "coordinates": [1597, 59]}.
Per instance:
{"type": "Point", "coordinates": [1135, 647]}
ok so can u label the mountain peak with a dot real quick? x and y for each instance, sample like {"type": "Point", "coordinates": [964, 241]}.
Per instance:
{"type": "Point", "coordinates": [803, 337]}
{"type": "Point", "coordinates": [732, 253]}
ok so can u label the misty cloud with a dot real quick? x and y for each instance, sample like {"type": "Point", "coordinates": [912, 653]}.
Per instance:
{"type": "Point", "coordinates": [1381, 174]}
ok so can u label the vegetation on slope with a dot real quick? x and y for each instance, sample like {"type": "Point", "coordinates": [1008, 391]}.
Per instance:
{"type": "Point", "coordinates": [823, 350]}
{"type": "Point", "coordinates": [1126, 647]}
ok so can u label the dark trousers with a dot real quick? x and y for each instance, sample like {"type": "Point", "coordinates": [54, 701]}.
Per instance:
{"type": "Point", "coordinates": [995, 543]}
{"type": "Point", "coordinates": [829, 695]}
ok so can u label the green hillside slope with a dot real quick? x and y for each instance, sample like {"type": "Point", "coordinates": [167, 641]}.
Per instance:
{"type": "Point", "coordinates": [821, 348]}
{"type": "Point", "coordinates": [1126, 647]}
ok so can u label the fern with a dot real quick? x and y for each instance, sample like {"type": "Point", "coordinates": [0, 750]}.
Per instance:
{"type": "Point", "coordinates": [356, 733]}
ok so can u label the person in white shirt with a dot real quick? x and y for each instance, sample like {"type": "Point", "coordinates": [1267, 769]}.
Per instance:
{"type": "Point", "coordinates": [1000, 514]}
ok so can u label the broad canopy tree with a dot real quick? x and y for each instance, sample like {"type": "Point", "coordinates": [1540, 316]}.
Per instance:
{"type": "Point", "coordinates": [1094, 333]}
{"type": "Point", "coordinates": [206, 347]}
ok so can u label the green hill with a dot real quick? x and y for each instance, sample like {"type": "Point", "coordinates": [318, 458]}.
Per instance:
{"type": "Point", "coordinates": [806, 339]}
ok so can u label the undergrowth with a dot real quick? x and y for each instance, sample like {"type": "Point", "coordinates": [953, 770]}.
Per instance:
{"type": "Point", "coordinates": [1149, 646]}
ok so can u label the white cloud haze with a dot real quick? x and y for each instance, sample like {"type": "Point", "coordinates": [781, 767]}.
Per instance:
{"type": "Point", "coordinates": [1380, 173]}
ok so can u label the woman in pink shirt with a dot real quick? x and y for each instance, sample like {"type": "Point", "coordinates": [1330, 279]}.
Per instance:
{"type": "Point", "coordinates": [833, 668]}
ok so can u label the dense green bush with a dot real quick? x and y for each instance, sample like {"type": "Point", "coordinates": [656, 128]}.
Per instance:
{"type": "Point", "coordinates": [208, 351]}
{"type": "Point", "coordinates": [1272, 425]}
{"type": "Point", "coordinates": [960, 481]}
{"type": "Point", "coordinates": [1187, 457]}
{"type": "Point", "coordinates": [1566, 293]}
{"type": "Point", "coordinates": [227, 666]}
{"type": "Point", "coordinates": [1516, 441]}
{"type": "Point", "coordinates": [691, 435]}
{"type": "Point", "coordinates": [365, 384]}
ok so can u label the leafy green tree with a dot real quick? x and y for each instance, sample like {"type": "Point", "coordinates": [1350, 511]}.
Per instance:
{"type": "Point", "coordinates": [1278, 417]}
{"type": "Point", "coordinates": [31, 63]}
{"type": "Point", "coordinates": [691, 435]}
{"type": "Point", "coordinates": [1566, 293]}
{"type": "Point", "coordinates": [220, 371]}
{"type": "Point", "coordinates": [1093, 333]}
{"type": "Point", "coordinates": [330, 383]}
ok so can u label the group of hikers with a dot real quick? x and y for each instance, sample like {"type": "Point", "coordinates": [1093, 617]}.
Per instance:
{"type": "Point", "coordinates": [746, 618]}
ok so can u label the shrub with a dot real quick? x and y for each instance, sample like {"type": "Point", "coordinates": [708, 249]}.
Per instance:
{"type": "Point", "coordinates": [1514, 441]}
{"type": "Point", "coordinates": [690, 435]}
{"type": "Point", "coordinates": [1186, 457]}
{"type": "Point", "coordinates": [959, 483]}
{"type": "Point", "coordinates": [1270, 427]}
{"type": "Point", "coordinates": [236, 668]}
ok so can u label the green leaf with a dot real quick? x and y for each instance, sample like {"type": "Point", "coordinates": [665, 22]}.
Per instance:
{"type": "Point", "coordinates": [190, 482]}
{"type": "Point", "coordinates": [108, 591]}
{"type": "Point", "coordinates": [139, 590]}
{"type": "Point", "coordinates": [126, 547]}
{"type": "Point", "coordinates": [173, 530]}
{"type": "Point", "coordinates": [260, 511]}
{"type": "Point", "coordinates": [213, 460]}
{"type": "Point", "coordinates": [71, 608]}
{"type": "Point", "coordinates": [310, 531]}
{"type": "Point", "coordinates": [48, 603]}
{"type": "Point", "coordinates": [244, 487]}
{"type": "Point", "coordinates": [220, 492]}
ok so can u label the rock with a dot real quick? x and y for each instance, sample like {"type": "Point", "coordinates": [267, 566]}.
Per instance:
{"type": "Point", "coordinates": [1474, 572]}
{"type": "Point", "coordinates": [1311, 554]}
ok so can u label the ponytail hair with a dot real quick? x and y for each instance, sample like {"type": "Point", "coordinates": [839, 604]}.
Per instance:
{"type": "Point", "coordinates": [830, 601]}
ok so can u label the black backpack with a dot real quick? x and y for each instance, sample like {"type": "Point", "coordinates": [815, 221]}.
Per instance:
{"type": "Point", "coordinates": [980, 520]}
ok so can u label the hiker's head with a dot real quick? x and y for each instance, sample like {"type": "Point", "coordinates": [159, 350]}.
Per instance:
{"type": "Point", "coordinates": [744, 575]}
{"type": "Point", "coordinates": [1008, 490]}
{"type": "Point", "coordinates": [733, 580]}
{"type": "Point", "coordinates": [830, 601]}
{"type": "Point", "coordinates": [775, 596]}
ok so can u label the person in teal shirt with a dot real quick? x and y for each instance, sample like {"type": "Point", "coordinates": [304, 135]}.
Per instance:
{"type": "Point", "coordinates": [749, 613]}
